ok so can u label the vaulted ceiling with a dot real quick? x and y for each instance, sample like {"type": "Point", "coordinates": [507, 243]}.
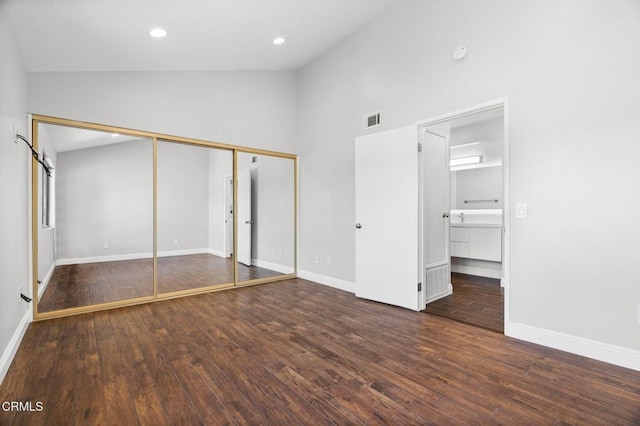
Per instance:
{"type": "Point", "coordinates": [113, 35]}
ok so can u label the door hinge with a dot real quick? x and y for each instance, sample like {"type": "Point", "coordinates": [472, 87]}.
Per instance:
{"type": "Point", "coordinates": [419, 286]}
{"type": "Point", "coordinates": [419, 147]}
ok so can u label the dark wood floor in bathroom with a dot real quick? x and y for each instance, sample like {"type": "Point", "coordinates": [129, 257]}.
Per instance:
{"type": "Point", "coordinates": [475, 300]}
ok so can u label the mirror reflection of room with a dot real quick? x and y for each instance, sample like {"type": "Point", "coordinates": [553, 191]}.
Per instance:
{"type": "Point", "coordinates": [195, 206]}
{"type": "Point", "coordinates": [95, 239]}
{"type": "Point", "coordinates": [266, 216]}
{"type": "Point", "coordinates": [107, 219]}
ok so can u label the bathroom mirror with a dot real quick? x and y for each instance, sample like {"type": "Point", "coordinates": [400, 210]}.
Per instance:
{"type": "Point", "coordinates": [266, 216]}
{"type": "Point", "coordinates": [476, 150]}
{"type": "Point", "coordinates": [95, 218]}
{"type": "Point", "coordinates": [195, 213]}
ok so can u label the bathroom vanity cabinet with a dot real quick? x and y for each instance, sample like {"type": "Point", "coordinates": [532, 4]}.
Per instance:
{"type": "Point", "coordinates": [476, 241]}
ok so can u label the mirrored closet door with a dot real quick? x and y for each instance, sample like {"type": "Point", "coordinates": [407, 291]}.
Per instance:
{"type": "Point", "coordinates": [94, 220]}
{"type": "Point", "coordinates": [195, 211]}
{"type": "Point", "coordinates": [266, 216]}
{"type": "Point", "coordinates": [122, 216]}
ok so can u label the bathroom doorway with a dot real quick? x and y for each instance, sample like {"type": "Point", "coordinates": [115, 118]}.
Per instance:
{"type": "Point", "coordinates": [478, 215]}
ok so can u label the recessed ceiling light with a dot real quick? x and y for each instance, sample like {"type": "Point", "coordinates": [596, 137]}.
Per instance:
{"type": "Point", "coordinates": [278, 40]}
{"type": "Point", "coordinates": [158, 32]}
{"type": "Point", "coordinates": [115, 135]}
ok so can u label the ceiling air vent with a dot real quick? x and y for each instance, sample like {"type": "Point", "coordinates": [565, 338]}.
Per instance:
{"type": "Point", "coordinates": [372, 120]}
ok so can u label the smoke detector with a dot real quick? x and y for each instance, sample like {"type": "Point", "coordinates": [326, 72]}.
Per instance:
{"type": "Point", "coordinates": [460, 53]}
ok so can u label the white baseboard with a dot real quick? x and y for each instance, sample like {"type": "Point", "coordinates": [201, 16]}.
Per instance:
{"type": "Point", "coordinates": [216, 253]}
{"type": "Point", "coordinates": [14, 344]}
{"type": "Point", "coordinates": [283, 269]}
{"type": "Point", "coordinates": [98, 259]}
{"type": "Point", "coordinates": [480, 272]}
{"type": "Point", "coordinates": [606, 352]}
{"type": "Point", "coordinates": [45, 281]}
{"type": "Point", "coordinates": [186, 252]}
{"type": "Point", "coordinates": [130, 256]}
{"type": "Point", "coordinates": [328, 281]}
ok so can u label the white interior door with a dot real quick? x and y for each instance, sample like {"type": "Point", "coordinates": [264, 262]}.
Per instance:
{"type": "Point", "coordinates": [436, 216]}
{"type": "Point", "coordinates": [228, 215]}
{"type": "Point", "coordinates": [387, 217]}
{"type": "Point", "coordinates": [244, 217]}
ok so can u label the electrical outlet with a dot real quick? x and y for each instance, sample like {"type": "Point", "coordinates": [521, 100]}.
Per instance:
{"type": "Point", "coordinates": [20, 292]}
{"type": "Point", "coordinates": [281, 252]}
{"type": "Point", "coordinates": [105, 245]}
{"type": "Point", "coordinates": [176, 241]}
{"type": "Point", "coordinates": [13, 135]}
{"type": "Point", "coordinates": [316, 258]}
{"type": "Point", "coordinates": [328, 260]}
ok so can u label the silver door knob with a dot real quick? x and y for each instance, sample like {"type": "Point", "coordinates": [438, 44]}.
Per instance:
{"type": "Point", "coordinates": [358, 225]}
{"type": "Point", "coordinates": [445, 215]}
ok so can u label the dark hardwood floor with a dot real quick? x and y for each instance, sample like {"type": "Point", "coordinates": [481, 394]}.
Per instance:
{"type": "Point", "coordinates": [475, 300]}
{"type": "Point", "coordinates": [295, 352]}
{"type": "Point", "coordinates": [87, 284]}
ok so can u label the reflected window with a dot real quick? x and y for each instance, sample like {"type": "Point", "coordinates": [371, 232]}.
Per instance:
{"type": "Point", "coordinates": [48, 195]}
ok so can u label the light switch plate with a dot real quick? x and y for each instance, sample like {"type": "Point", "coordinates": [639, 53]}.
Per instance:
{"type": "Point", "coordinates": [521, 210]}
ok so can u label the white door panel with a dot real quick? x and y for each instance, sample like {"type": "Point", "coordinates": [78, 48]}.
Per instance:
{"type": "Point", "coordinates": [437, 261]}
{"type": "Point", "coordinates": [244, 217]}
{"type": "Point", "coordinates": [436, 200]}
{"type": "Point", "coordinates": [387, 217]}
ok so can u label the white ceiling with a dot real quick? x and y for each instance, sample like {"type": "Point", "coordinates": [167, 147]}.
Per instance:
{"type": "Point", "coordinates": [113, 35]}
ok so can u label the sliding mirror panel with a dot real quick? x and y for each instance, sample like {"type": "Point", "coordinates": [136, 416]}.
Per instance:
{"type": "Point", "coordinates": [195, 217]}
{"type": "Point", "coordinates": [266, 195]}
{"type": "Point", "coordinates": [95, 218]}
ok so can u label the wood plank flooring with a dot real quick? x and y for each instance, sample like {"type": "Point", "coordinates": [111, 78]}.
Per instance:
{"type": "Point", "coordinates": [475, 300]}
{"type": "Point", "coordinates": [92, 283]}
{"type": "Point", "coordinates": [296, 352]}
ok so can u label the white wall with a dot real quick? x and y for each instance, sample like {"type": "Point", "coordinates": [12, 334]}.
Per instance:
{"type": "Point", "coordinates": [183, 197]}
{"type": "Point", "coordinates": [479, 184]}
{"type": "Point", "coordinates": [247, 108]}
{"type": "Point", "coordinates": [573, 91]}
{"type": "Point", "coordinates": [15, 166]}
{"type": "Point", "coordinates": [104, 195]}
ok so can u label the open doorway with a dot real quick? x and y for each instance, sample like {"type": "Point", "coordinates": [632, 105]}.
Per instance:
{"type": "Point", "coordinates": [478, 215]}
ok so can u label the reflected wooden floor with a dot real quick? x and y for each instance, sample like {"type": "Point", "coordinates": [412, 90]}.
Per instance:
{"type": "Point", "coordinates": [295, 352]}
{"type": "Point", "coordinates": [475, 300]}
{"type": "Point", "coordinates": [86, 284]}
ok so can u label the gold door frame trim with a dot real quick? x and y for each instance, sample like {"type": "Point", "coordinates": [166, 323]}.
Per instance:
{"type": "Point", "coordinates": [161, 136]}
{"type": "Point", "coordinates": [155, 137]}
{"type": "Point", "coordinates": [155, 218]}
{"type": "Point", "coordinates": [35, 228]}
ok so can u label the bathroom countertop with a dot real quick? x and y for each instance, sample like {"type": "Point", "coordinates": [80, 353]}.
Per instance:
{"type": "Point", "coordinates": [477, 225]}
